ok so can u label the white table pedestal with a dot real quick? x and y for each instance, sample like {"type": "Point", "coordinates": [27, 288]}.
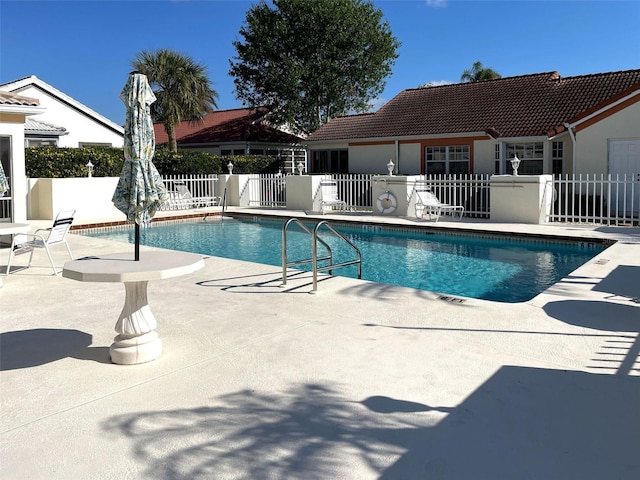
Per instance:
{"type": "Point", "coordinates": [137, 340]}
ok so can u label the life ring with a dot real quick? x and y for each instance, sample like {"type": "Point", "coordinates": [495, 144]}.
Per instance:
{"type": "Point", "coordinates": [386, 203]}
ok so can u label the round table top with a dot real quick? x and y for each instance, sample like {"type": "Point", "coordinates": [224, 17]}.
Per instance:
{"type": "Point", "coordinates": [7, 228]}
{"type": "Point", "coordinates": [121, 267]}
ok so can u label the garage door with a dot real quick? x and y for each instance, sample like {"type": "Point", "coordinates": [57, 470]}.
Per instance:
{"type": "Point", "coordinates": [624, 159]}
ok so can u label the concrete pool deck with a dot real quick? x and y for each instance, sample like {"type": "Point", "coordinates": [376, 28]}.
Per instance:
{"type": "Point", "coordinates": [358, 381]}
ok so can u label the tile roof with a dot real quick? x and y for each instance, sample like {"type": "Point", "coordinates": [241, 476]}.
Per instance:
{"type": "Point", "coordinates": [32, 126]}
{"type": "Point", "coordinates": [225, 126]}
{"type": "Point", "coordinates": [528, 105]}
{"type": "Point", "coordinates": [8, 98]}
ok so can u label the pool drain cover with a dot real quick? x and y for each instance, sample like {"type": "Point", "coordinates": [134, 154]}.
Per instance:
{"type": "Point", "coordinates": [451, 299]}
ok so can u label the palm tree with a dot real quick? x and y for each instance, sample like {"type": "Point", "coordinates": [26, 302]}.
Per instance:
{"type": "Point", "coordinates": [478, 73]}
{"type": "Point", "coordinates": [183, 90]}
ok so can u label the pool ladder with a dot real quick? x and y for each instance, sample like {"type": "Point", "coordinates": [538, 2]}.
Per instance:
{"type": "Point", "coordinates": [314, 252]}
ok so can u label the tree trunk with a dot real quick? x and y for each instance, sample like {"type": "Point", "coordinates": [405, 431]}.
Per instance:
{"type": "Point", "coordinates": [171, 133]}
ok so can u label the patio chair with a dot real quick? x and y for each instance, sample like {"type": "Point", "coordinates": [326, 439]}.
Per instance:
{"type": "Point", "coordinates": [186, 200]}
{"type": "Point", "coordinates": [428, 203]}
{"type": "Point", "coordinates": [43, 238]}
{"type": "Point", "coordinates": [329, 196]}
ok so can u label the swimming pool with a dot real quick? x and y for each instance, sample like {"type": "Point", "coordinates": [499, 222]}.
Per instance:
{"type": "Point", "coordinates": [489, 267]}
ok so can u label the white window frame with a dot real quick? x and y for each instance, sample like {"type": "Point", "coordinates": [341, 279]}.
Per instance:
{"type": "Point", "coordinates": [451, 154]}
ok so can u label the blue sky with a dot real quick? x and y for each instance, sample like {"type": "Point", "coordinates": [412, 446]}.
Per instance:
{"type": "Point", "coordinates": [85, 48]}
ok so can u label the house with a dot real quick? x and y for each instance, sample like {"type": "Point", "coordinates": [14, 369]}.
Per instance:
{"type": "Point", "coordinates": [14, 110]}
{"type": "Point", "coordinates": [555, 125]}
{"type": "Point", "coordinates": [65, 122]}
{"type": "Point", "coordinates": [238, 131]}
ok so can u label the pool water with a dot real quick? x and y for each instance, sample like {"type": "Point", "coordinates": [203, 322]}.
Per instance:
{"type": "Point", "coordinates": [504, 269]}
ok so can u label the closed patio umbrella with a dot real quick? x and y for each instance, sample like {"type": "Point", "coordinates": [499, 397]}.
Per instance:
{"type": "Point", "coordinates": [140, 190]}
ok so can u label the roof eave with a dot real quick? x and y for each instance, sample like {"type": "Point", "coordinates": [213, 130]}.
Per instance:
{"type": "Point", "coordinates": [22, 109]}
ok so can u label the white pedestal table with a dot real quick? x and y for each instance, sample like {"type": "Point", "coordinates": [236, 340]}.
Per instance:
{"type": "Point", "coordinates": [137, 340]}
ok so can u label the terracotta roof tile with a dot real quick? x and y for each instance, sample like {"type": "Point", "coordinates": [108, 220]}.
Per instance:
{"type": "Point", "coordinates": [8, 98]}
{"type": "Point", "coordinates": [528, 105]}
{"type": "Point", "coordinates": [237, 125]}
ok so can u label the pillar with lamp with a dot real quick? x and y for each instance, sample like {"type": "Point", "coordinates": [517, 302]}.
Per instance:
{"type": "Point", "coordinates": [230, 167]}
{"type": "Point", "coordinates": [300, 167]}
{"type": "Point", "coordinates": [89, 167]}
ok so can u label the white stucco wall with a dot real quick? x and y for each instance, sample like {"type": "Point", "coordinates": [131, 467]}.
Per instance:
{"type": "Point", "coordinates": [484, 156]}
{"type": "Point", "coordinates": [89, 197]}
{"type": "Point", "coordinates": [81, 127]}
{"type": "Point", "coordinates": [592, 142]}
{"type": "Point", "coordinates": [409, 161]}
{"type": "Point", "coordinates": [371, 158]}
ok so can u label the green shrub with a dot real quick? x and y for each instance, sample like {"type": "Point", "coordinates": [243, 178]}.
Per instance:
{"type": "Point", "coordinates": [54, 162]}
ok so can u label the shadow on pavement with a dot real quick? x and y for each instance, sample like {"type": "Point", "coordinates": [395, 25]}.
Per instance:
{"type": "Point", "coordinates": [31, 348]}
{"type": "Point", "coordinates": [520, 423]}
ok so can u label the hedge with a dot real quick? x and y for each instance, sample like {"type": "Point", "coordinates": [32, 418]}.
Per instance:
{"type": "Point", "coordinates": [54, 162]}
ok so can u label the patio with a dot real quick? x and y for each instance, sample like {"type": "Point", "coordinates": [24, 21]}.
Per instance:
{"type": "Point", "coordinates": [359, 381]}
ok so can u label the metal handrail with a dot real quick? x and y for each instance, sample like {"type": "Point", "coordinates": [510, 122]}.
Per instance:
{"type": "Point", "coordinates": [314, 252]}
{"type": "Point", "coordinates": [286, 264]}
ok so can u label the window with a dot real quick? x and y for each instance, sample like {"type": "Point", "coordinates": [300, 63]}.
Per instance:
{"type": "Point", "coordinates": [497, 159]}
{"type": "Point", "coordinates": [557, 157]}
{"type": "Point", "coordinates": [447, 160]}
{"type": "Point", "coordinates": [531, 156]}
{"type": "Point", "coordinates": [330, 161]}
{"type": "Point", "coordinates": [40, 142]}
{"type": "Point", "coordinates": [93, 144]}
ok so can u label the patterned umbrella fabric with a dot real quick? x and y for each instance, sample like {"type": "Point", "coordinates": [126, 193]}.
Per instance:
{"type": "Point", "coordinates": [140, 190]}
{"type": "Point", "coordinates": [4, 183]}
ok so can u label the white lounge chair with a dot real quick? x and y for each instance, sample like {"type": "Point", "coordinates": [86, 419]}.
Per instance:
{"type": "Point", "coordinates": [186, 200]}
{"type": "Point", "coordinates": [428, 203]}
{"type": "Point", "coordinates": [43, 238]}
{"type": "Point", "coordinates": [329, 196]}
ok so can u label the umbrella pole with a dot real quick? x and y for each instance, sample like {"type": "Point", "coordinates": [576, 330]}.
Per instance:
{"type": "Point", "coordinates": [137, 243]}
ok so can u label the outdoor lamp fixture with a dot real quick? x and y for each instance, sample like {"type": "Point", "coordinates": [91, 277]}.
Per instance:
{"type": "Point", "coordinates": [300, 167]}
{"type": "Point", "coordinates": [230, 167]}
{"type": "Point", "coordinates": [515, 163]}
{"type": "Point", "coordinates": [390, 166]}
{"type": "Point", "coordinates": [89, 167]}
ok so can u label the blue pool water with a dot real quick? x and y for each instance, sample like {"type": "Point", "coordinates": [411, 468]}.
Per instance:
{"type": "Point", "coordinates": [494, 268]}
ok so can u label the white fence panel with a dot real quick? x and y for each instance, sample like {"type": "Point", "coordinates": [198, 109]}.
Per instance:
{"type": "Point", "coordinates": [599, 199]}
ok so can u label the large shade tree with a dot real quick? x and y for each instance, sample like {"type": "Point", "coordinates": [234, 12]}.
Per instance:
{"type": "Point", "coordinates": [182, 88]}
{"type": "Point", "coordinates": [479, 72]}
{"type": "Point", "coordinates": [308, 61]}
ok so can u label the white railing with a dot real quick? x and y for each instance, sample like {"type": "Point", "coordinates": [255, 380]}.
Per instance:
{"type": "Point", "coordinates": [265, 190]}
{"type": "Point", "coordinates": [599, 199]}
{"type": "Point", "coordinates": [355, 189]}
{"type": "Point", "coordinates": [604, 199]}
{"type": "Point", "coordinates": [199, 186]}
{"type": "Point", "coordinates": [5, 209]}
{"type": "Point", "coordinates": [468, 191]}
